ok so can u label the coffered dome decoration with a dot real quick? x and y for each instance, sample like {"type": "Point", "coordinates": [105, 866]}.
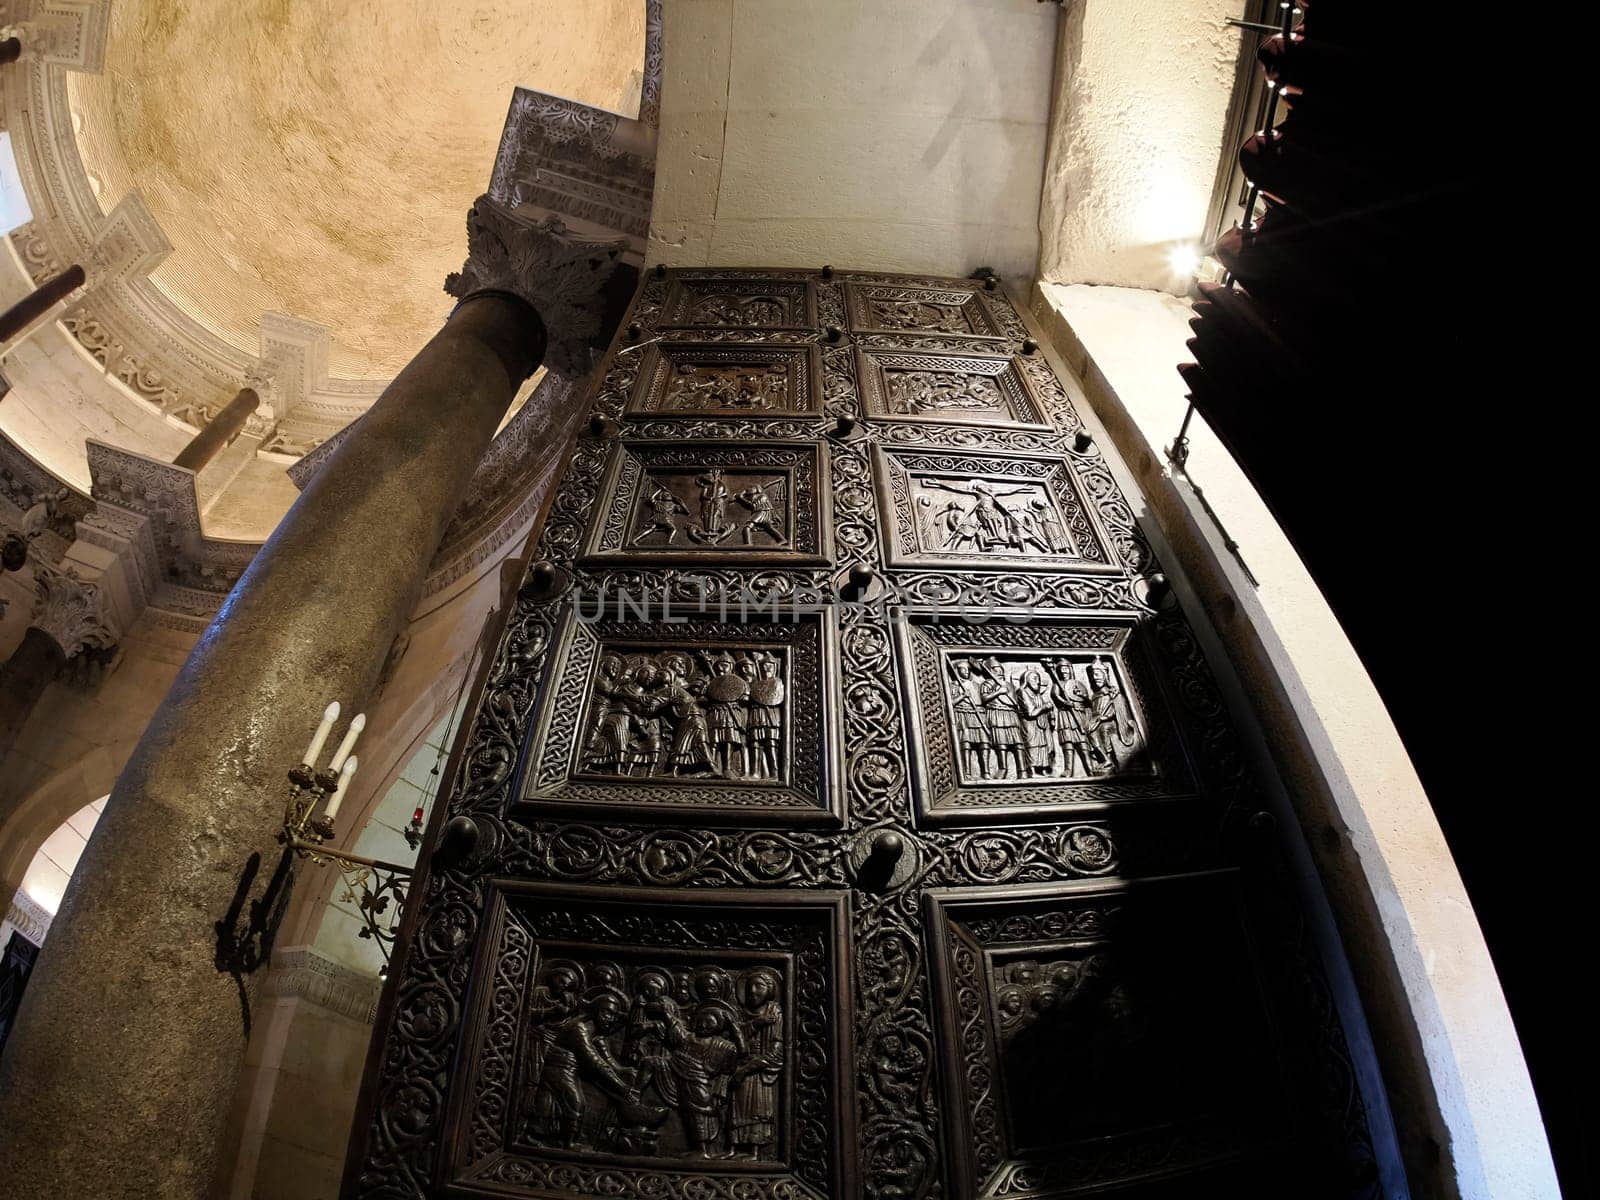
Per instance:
{"type": "Point", "coordinates": [317, 158]}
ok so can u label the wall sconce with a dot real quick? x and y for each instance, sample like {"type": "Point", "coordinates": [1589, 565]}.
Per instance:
{"type": "Point", "coordinates": [372, 883]}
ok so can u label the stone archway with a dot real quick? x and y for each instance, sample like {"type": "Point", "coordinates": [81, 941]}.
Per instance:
{"type": "Point", "coordinates": [48, 806]}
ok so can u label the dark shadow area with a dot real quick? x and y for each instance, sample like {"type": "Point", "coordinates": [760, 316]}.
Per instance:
{"type": "Point", "coordinates": [1368, 381]}
{"type": "Point", "coordinates": [245, 946]}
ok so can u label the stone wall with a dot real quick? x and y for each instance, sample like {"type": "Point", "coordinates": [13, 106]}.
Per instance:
{"type": "Point", "coordinates": [1141, 101]}
{"type": "Point", "coordinates": [302, 1072]}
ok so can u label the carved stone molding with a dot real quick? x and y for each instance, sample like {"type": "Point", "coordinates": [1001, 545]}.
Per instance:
{"type": "Point", "coordinates": [557, 270]}
{"type": "Point", "coordinates": [64, 33]}
{"type": "Point", "coordinates": [72, 610]}
{"type": "Point", "coordinates": [650, 93]}
{"type": "Point", "coordinates": [25, 485]}
{"type": "Point", "coordinates": [593, 168]}
{"type": "Point", "coordinates": [30, 919]}
{"type": "Point", "coordinates": [128, 245]}
{"type": "Point", "coordinates": [137, 484]}
{"type": "Point", "coordinates": [302, 972]}
{"type": "Point", "coordinates": [294, 363]}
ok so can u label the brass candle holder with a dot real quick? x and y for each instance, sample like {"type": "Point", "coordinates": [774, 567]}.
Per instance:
{"type": "Point", "coordinates": [377, 887]}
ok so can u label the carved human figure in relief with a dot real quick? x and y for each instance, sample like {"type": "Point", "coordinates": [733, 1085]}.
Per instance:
{"type": "Point", "coordinates": [553, 1003]}
{"type": "Point", "coordinates": [1003, 718]}
{"type": "Point", "coordinates": [748, 511]}
{"type": "Point", "coordinates": [920, 314]}
{"type": "Point", "coordinates": [691, 741]}
{"type": "Point", "coordinates": [713, 502]}
{"type": "Point", "coordinates": [659, 715]}
{"type": "Point", "coordinates": [766, 718]}
{"type": "Point", "coordinates": [764, 516]}
{"type": "Point", "coordinates": [971, 729]}
{"type": "Point", "coordinates": [701, 386]}
{"type": "Point", "coordinates": [644, 754]}
{"type": "Point", "coordinates": [1038, 720]}
{"type": "Point", "coordinates": [917, 393]}
{"type": "Point", "coordinates": [653, 1009]}
{"type": "Point", "coordinates": [728, 694]}
{"type": "Point", "coordinates": [1110, 723]}
{"type": "Point", "coordinates": [1049, 525]}
{"type": "Point", "coordinates": [700, 1068]}
{"type": "Point", "coordinates": [1071, 699]}
{"type": "Point", "coordinates": [722, 308]}
{"type": "Point", "coordinates": [610, 743]}
{"type": "Point", "coordinates": [766, 389]}
{"type": "Point", "coordinates": [713, 988]}
{"type": "Point", "coordinates": [755, 1096]}
{"type": "Point", "coordinates": [987, 524]}
{"type": "Point", "coordinates": [579, 1053]}
{"type": "Point", "coordinates": [663, 510]}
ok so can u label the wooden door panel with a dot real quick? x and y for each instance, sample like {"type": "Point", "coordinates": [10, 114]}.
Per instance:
{"type": "Point", "coordinates": [856, 816]}
{"type": "Point", "coordinates": [629, 723]}
{"type": "Point", "coordinates": [1096, 1036]}
{"type": "Point", "coordinates": [658, 1043]}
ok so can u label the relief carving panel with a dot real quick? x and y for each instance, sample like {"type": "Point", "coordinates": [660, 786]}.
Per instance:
{"type": "Point", "coordinates": [640, 1043]}
{"type": "Point", "coordinates": [758, 304]}
{"type": "Point", "coordinates": [1010, 721]}
{"type": "Point", "coordinates": [1103, 1037]}
{"type": "Point", "coordinates": [911, 385]}
{"type": "Point", "coordinates": [1021, 512]}
{"type": "Point", "coordinates": [696, 379]}
{"type": "Point", "coordinates": [907, 309]}
{"type": "Point", "coordinates": [701, 718]}
{"type": "Point", "coordinates": [713, 503]}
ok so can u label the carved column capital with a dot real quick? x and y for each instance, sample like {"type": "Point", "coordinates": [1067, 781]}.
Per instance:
{"type": "Point", "coordinates": [559, 272]}
{"type": "Point", "coordinates": [71, 610]}
{"type": "Point", "coordinates": [261, 379]}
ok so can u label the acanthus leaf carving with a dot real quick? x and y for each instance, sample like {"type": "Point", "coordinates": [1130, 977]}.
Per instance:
{"type": "Point", "coordinates": [559, 272]}
{"type": "Point", "coordinates": [72, 610]}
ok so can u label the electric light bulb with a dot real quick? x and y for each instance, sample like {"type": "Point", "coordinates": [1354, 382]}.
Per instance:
{"type": "Point", "coordinates": [1184, 260]}
{"type": "Point", "coordinates": [329, 716]}
{"type": "Point", "coordinates": [344, 784]}
{"type": "Point", "coordinates": [349, 742]}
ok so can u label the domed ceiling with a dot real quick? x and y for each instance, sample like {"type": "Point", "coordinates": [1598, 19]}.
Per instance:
{"type": "Point", "coordinates": [318, 157]}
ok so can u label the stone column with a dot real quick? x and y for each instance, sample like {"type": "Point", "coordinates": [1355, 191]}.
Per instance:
{"type": "Point", "coordinates": [36, 303]}
{"type": "Point", "coordinates": [68, 616]}
{"type": "Point", "coordinates": [120, 1074]}
{"type": "Point", "coordinates": [219, 431]}
{"type": "Point", "coordinates": [23, 679]}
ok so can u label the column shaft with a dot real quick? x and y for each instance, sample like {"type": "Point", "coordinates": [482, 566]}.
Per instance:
{"type": "Point", "coordinates": [23, 679]}
{"type": "Point", "coordinates": [219, 431]}
{"type": "Point", "coordinates": [118, 1078]}
{"type": "Point", "coordinates": [39, 301]}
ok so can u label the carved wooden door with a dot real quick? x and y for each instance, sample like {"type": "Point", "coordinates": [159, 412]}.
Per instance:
{"type": "Point", "coordinates": [856, 813]}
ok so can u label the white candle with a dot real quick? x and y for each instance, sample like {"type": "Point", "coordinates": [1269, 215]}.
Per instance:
{"type": "Point", "coordinates": [349, 743]}
{"type": "Point", "coordinates": [329, 716]}
{"type": "Point", "coordinates": [344, 784]}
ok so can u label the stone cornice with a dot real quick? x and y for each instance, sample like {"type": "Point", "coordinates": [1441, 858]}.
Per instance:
{"type": "Point", "coordinates": [303, 972]}
{"type": "Point", "coordinates": [31, 920]}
